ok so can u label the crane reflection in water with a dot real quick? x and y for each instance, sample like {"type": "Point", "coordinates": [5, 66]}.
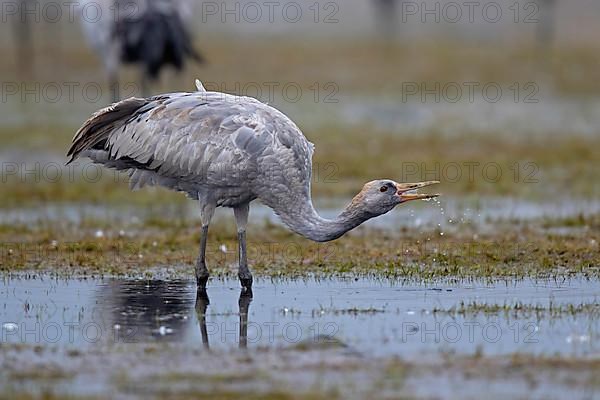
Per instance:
{"type": "Point", "coordinates": [147, 310]}
{"type": "Point", "coordinates": [202, 302]}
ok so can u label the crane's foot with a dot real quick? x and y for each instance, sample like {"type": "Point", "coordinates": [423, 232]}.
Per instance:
{"type": "Point", "coordinates": [201, 274]}
{"type": "Point", "coordinates": [246, 281]}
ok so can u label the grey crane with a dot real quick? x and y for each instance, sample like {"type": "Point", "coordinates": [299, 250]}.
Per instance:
{"type": "Point", "coordinates": [225, 150]}
{"type": "Point", "coordinates": [149, 33]}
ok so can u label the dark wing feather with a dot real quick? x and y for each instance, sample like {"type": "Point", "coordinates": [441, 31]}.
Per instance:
{"type": "Point", "coordinates": [98, 127]}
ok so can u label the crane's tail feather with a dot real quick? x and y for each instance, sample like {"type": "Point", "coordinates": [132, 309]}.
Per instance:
{"type": "Point", "coordinates": [94, 133]}
{"type": "Point", "coordinates": [91, 141]}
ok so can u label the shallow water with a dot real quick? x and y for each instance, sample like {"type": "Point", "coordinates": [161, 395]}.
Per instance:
{"type": "Point", "coordinates": [374, 317]}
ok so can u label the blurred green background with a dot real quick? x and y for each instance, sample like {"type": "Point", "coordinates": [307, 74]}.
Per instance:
{"type": "Point", "coordinates": [499, 99]}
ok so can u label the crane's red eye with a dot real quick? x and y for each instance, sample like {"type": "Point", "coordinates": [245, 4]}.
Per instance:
{"type": "Point", "coordinates": [383, 189]}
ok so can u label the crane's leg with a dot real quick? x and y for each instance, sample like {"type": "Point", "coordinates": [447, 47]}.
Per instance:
{"type": "Point", "coordinates": [206, 214]}
{"type": "Point", "coordinates": [241, 219]}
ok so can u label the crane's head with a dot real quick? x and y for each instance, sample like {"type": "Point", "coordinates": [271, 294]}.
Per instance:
{"type": "Point", "coordinates": [380, 196]}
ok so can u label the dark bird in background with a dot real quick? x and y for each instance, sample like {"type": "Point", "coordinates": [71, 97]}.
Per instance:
{"type": "Point", "coordinates": [149, 33]}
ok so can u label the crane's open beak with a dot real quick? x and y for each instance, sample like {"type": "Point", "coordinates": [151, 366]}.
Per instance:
{"type": "Point", "coordinates": [408, 191]}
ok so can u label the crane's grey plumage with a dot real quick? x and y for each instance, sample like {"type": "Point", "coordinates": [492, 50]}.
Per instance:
{"type": "Point", "coordinates": [225, 150]}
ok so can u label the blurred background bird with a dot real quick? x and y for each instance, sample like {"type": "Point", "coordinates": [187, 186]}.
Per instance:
{"type": "Point", "coordinates": [149, 33]}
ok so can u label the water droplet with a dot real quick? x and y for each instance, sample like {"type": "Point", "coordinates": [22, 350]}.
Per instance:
{"type": "Point", "coordinates": [577, 338]}
{"type": "Point", "coordinates": [163, 330]}
{"type": "Point", "coordinates": [10, 327]}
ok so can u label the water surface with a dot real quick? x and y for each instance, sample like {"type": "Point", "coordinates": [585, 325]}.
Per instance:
{"type": "Point", "coordinates": [374, 317]}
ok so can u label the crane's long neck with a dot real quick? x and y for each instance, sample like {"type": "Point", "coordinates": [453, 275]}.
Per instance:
{"type": "Point", "coordinates": [299, 214]}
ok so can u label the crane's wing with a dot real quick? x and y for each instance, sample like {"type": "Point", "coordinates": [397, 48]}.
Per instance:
{"type": "Point", "coordinates": [204, 137]}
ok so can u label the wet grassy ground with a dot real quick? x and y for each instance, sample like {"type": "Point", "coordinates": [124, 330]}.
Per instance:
{"type": "Point", "coordinates": [161, 246]}
{"type": "Point", "coordinates": [560, 248]}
